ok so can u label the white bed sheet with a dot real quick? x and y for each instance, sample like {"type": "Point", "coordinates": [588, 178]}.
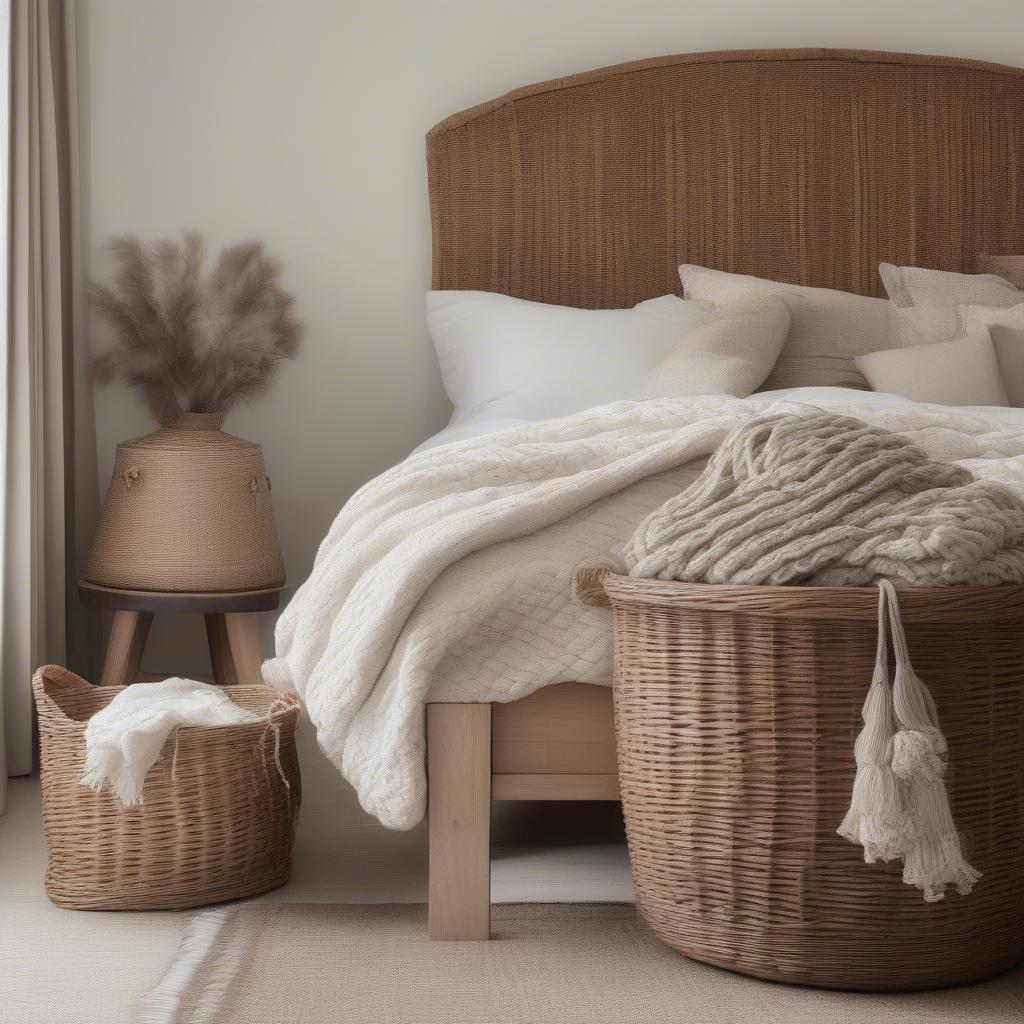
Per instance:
{"type": "Point", "coordinates": [1012, 419]}
{"type": "Point", "coordinates": [472, 428]}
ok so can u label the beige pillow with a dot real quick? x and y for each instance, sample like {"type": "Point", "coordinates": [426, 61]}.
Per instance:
{"type": "Point", "coordinates": [963, 371]}
{"type": "Point", "coordinates": [730, 353]}
{"type": "Point", "coordinates": [827, 328]}
{"type": "Point", "coordinates": [1007, 329]}
{"type": "Point", "coordinates": [1009, 267]}
{"type": "Point", "coordinates": [928, 301]}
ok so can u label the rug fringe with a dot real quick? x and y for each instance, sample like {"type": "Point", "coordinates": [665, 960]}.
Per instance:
{"type": "Point", "coordinates": [211, 953]}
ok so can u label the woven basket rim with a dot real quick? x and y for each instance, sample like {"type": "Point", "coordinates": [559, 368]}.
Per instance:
{"type": "Point", "coordinates": [283, 706]}
{"type": "Point", "coordinates": [601, 587]}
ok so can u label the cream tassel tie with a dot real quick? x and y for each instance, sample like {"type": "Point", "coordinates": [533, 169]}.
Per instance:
{"type": "Point", "coordinates": [877, 818]}
{"type": "Point", "coordinates": [900, 807]}
{"type": "Point", "coordinates": [934, 858]}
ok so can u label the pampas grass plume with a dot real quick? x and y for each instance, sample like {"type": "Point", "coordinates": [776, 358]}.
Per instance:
{"type": "Point", "coordinates": [189, 341]}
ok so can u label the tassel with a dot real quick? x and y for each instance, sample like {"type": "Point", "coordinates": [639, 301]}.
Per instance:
{"type": "Point", "coordinates": [935, 861]}
{"type": "Point", "coordinates": [877, 818]}
{"type": "Point", "coordinates": [934, 858]}
{"type": "Point", "coordinates": [918, 754]}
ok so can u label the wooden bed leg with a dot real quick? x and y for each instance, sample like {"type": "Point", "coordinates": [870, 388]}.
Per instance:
{"type": "Point", "coordinates": [459, 820]}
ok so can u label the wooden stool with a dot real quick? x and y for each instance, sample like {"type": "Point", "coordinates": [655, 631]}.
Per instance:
{"type": "Point", "coordinates": [232, 629]}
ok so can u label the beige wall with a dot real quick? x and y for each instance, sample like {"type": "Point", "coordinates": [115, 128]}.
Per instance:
{"type": "Point", "coordinates": [302, 121]}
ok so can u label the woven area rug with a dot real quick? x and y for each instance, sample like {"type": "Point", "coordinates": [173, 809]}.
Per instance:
{"type": "Point", "coordinates": [547, 964]}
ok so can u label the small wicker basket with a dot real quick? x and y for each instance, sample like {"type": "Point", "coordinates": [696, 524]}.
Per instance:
{"type": "Point", "coordinates": [218, 816]}
{"type": "Point", "coordinates": [736, 710]}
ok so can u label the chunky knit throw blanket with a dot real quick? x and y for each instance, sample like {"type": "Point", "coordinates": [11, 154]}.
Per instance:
{"type": "Point", "coordinates": [823, 499]}
{"type": "Point", "coordinates": [828, 500]}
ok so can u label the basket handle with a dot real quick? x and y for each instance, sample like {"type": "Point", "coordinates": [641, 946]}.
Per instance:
{"type": "Point", "coordinates": [50, 679]}
{"type": "Point", "coordinates": [590, 586]}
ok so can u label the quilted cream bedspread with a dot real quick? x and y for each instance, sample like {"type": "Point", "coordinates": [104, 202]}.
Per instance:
{"type": "Point", "coordinates": [450, 577]}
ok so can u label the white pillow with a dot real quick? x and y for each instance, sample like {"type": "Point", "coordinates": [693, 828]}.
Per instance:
{"type": "Point", "coordinates": [963, 371]}
{"type": "Point", "coordinates": [1007, 329]}
{"type": "Point", "coordinates": [509, 358]}
{"type": "Point", "coordinates": [828, 328]}
{"type": "Point", "coordinates": [730, 353]}
{"type": "Point", "coordinates": [927, 301]}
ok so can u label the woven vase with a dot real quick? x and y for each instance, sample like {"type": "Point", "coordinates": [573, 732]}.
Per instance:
{"type": "Point", "coordinates": [188, 510]}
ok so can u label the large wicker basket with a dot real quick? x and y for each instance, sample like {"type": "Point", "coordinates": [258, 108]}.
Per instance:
{"type": "Point", "coordinates": [217, 818]}
{"type": "Point", "coordinates": [736, 710]}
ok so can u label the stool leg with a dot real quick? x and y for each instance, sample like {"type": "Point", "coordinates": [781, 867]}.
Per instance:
{"type": "Point", "coordinates": [220, 649]}
{"type": "Point", "coordinates": [124, 648]}
{"type": "Point", "coordinates": [244, 643]}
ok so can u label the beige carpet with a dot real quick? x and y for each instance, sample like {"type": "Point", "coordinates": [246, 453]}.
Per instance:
{"type": "Point", "coordinates": [60, 966]}
{"type": "Point", "coordinates": [548, 964]}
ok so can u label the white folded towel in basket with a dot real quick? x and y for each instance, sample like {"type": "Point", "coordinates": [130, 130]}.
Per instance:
{"type": "Point", "coordinates": [124, 739]}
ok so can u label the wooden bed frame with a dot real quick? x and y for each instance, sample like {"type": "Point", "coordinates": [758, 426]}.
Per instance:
{"type": "Point", "coordinates": [808, 166]}
{"type": "Point", "coordinates": [557, 744]}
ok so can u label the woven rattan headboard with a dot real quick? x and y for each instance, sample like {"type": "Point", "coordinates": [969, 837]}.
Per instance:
{"type": "Point", "coordinates": [808, 166]}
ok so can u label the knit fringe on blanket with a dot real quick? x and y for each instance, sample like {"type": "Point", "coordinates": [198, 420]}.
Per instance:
{"type": "Point", "coordinates": [124, 739]}
{"type": "Point", "coordinates": [820, 499]}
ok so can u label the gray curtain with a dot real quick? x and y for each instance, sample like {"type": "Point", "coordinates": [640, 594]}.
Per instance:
{"type": "Point", "coordinates": [50, 492]}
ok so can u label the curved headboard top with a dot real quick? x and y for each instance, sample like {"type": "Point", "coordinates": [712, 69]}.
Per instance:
{"type": "Point", "coordinates": [809, 166]}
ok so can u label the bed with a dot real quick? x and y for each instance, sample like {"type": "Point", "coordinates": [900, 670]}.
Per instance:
{"type": "Point", "coordinates": [809, 166]}
{"type": "Point", "coordinates": [803, 166]}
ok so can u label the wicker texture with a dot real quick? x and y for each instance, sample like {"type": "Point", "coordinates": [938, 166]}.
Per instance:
{"type": "Point", "coordinates": [188, 510]}
{"type": "Point", "coordinates": [808, 166]}
{"type": "Point", "coordinates": [217, 821]}
{"type": "Point", "coordinates": [736, 711]}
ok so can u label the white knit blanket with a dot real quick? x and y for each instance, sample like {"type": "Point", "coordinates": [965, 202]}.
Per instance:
{"type": "Point", "coordinates": [450, 577]}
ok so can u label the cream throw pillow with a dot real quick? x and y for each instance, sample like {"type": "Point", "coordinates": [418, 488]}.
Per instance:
{"type": "Point", "coordinates": [729, 354]}
{"type": "Point", "coordinates": [827, 328]}
{"type": "Point", "coordinates": [1011, 268]}
{"type": "Point", "coordinates": [963, 371]}
{"type": "Point", "coordinates": [1007, 329]}
{"type": "Point", "coordinates": [928, 301]}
